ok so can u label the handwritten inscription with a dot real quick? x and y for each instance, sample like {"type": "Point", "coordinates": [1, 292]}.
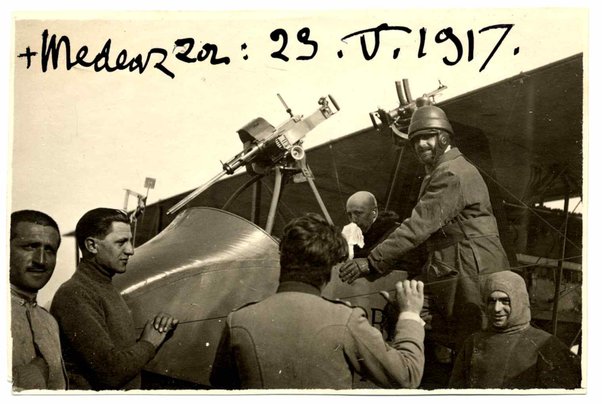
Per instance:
{"type": "Point", "coordinates": [57, 51]}
{"type": "Point", "coordinates": [442, 36]}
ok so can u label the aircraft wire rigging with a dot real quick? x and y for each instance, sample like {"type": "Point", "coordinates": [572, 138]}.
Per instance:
{"type": "Point", "coordinates": [525, 205]}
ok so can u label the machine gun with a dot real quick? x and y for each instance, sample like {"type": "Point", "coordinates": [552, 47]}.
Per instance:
{"type": "Point", "coordinates": [264, 147]}
{"type": "Point", "coordinates": [398, 119]}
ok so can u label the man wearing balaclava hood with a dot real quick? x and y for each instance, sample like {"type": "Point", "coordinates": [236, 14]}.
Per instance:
{"type": "Point", "coordinates": [510, 353]}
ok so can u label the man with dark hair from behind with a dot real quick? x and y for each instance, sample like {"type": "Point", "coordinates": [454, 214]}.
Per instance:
{"type": "Point", "coordinates": [297, 339]}
{"type": "Point", "coordinates": [36, 353]}
{"type": "Point", "coordinates": [102, 349]}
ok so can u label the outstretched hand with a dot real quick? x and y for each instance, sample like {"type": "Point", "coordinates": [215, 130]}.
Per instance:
{"type": "Point", "coordinates": [409, 296]}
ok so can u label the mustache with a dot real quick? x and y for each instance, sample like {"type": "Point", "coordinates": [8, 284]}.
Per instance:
{"type": "Point", "coordinates": [37, 266]}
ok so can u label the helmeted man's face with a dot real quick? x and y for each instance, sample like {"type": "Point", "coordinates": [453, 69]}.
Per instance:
{"type": "Point", "coordinates": [425, 146]}
{"type": "Point", "coordinates": [499, 309]}
{"type": "Point", "coordinates": [32, 255]}
{"type": "Point", "coordinates": [115, 249]}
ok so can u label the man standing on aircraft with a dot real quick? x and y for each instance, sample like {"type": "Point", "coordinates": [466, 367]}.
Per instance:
{"type": "Point", "coordinates": [296, 339]}
{"type": "Point", "coordinates": [36, 359]}
{"type": "Point", "coordinates": [102, 349]}
{"type": "Point", "coordinates": [455, 220]}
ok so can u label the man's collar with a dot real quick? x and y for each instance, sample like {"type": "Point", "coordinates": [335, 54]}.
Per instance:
{"type": "Point", "coordinates": [95, 270]}
{"type": "Point", "coordinates": [295, 286]}
{"type": "Point", "coordinates": [449, 155]}
{"type": "Point", "coordinates": [27, 297]}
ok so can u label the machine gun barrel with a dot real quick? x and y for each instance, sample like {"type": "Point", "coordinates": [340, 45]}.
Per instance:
{"type": "Point", "coordinates": [400, 95]}
{"type": "Point", "coordinates": [406, 90]}
{"type": "Point", "coordinates": [406, 106]}
{"type": "Point", "coordinates": [244, 157]}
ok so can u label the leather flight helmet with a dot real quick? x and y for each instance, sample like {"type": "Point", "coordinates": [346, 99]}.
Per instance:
{"type": "Point", "coordinates": [427, 118]}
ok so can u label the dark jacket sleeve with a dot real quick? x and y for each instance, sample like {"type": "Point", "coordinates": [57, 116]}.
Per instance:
{"type": "Point", "coordinates": [441, 202]}
{"type": "Point", "coordinates": [399, 365]}
{"type": "Point", "coordinates": [83, 326]}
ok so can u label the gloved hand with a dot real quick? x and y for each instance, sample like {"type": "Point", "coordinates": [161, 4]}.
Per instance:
{"type": "Point", "coordinates": [353, 269]}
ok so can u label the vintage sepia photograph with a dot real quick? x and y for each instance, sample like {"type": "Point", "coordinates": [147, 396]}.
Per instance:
{"type": "Point", "coordinates": [366, 201]}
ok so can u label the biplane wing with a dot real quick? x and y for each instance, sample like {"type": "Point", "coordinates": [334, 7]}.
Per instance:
{"type": "Point", "coordinates": [525, 133]}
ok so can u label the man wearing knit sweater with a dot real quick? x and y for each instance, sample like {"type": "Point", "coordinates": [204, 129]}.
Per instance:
{"type": "Point", "coordinates": [101, 348]}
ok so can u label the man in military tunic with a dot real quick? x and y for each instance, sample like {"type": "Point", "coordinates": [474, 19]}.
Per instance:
{"type": "Point", "coordinates": [36, 355]}
{"type": "Point", "coordinates": [296, 339]}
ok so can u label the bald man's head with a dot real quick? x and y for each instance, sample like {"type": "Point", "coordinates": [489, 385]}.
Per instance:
{"type": "Point", "coordinates": [362, 209]}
